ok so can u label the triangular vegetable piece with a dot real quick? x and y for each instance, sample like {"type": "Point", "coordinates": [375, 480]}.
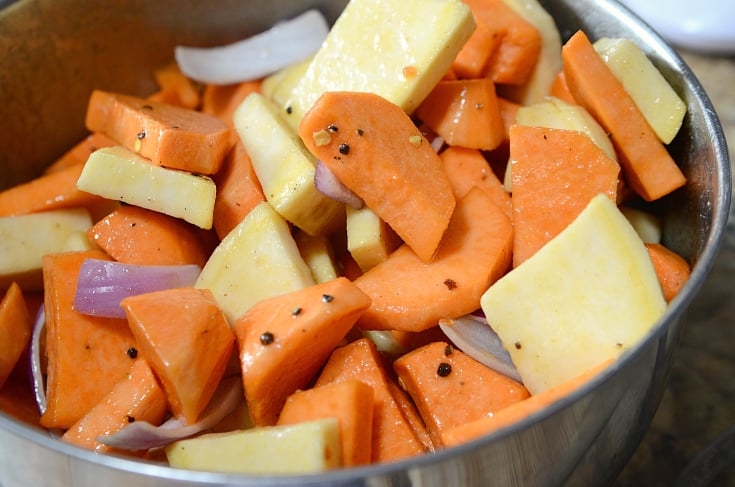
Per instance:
{"type": "Point", "coordinates": [136, 235]}
{"type": "Point", "coordinates": [136, 397]}
{"type": "Point", "coordinates": [285, 340]}
{"type": "Point", "coordinates": [186, 339]}
{"type": "Point", "coordinates": [15, 330]}
{"type": "Point", "coordinates": [450, 388]}
{"type": "Point", "coordinates": [393, 437]}
{"type": "Point", "coordinates": [589, 294]}
{"type": "Point", "coordinates": [351, 402]}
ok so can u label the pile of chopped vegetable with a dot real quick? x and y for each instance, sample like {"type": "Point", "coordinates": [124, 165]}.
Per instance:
{"type": "Point", "coordinates": [308, 251]}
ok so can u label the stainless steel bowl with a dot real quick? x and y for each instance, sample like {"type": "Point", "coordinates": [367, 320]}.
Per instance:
{"type": "Point", "coordinates": [53, 53]}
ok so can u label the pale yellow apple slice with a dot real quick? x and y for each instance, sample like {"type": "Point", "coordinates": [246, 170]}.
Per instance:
{"type": "Point", "coordinates": [587, 296]}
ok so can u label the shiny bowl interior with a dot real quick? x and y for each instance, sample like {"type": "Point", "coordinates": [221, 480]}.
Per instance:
{"type": "Point", "coordinates": [55, 52]}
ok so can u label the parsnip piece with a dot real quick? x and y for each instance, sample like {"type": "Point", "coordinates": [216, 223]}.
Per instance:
{"type": "Point", "coordinates": [548, 65]}
{"type": "Point", "coordinates": [300, 448]}
{"type": "Point", "coordinates": [285, 168]}
{"type": "Point", "coordinates": [258, 259]}
{"type": "Point", "coordinates": [278, 86]}
{"type": "Point", "coordinates": [587, 296]}
{"type": "Point", "coordinates": [117, 173]}
{"type": "Point", "coordinates": [646, 224]}
{"type": "Point", "coordinates": [318, 255]}
{"type": "Point", "coordinates": [369, 239]}
{"type": "Point", "coordinates": [24, 239]}
{"type": "Point", "coordinates": [397, 49]}
{"type": "Point", "coordinates": [662, 108]}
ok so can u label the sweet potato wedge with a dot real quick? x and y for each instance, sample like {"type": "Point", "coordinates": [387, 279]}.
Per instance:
{"type": "Point", "coordinates": [185, 337]}
{"type": "Point", "coordinates": [170, 136]}
{"type": "Point", "coordinates": [373, 148]}
{"type": "Point", "coordinates": [283, 341]}
{"type": "Point", "coordinates": [351, 402]}
{"type": "Point", "coordinates": [393, 437]}
{"type": "Point", "coordinates": [410, 295]}
{"type": "Point", "coordinates": [136, 397]}
{"type": "Point", "coordinates": [450, 388]}
{"type": "Point", "coordinates": [555, 174]}
{"type": "Point", "coordinates": [15, 330]}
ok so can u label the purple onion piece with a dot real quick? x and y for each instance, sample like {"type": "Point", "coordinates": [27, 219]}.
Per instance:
{"type": "Point", "coordinates": [474, 336]}
{"type": "Point", "coordinates": [37, 382]}
{"type": "Point", "coordinates": [102, 284]}
{"type": "Point", "coordinates": [142, 435]}
{"type": "Point", "coordinates": [328, 184]}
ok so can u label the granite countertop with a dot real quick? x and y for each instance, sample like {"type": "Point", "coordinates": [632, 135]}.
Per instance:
{"type": "Point", "coordinates": [699, 401]}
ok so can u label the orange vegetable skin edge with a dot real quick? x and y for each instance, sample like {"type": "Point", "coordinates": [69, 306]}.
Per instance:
{"type": "Point", "coordinates": [283, 341]}
{"type": "Point", "coordinates": [136, 397]}
{"type": "Point", "coordinates": [410, 295]}
{"type": "Point", "coordinates": [374, 148]}
{"type": "Point", "coordinates": [15, 330]}
{"type": "Point", "coordinates": [393, 437]}
{"type": "Point", "coordinates": [87, 355]}
{"type": "Point", "coordinates": [647, 166]}
{"type": "Point", "coordinates": [464, 113]}
{"type": "Point", "coordinates": [451, 389]}
{"type": "Point", "coordinates": [50, 191]}
{"type": "Point", "coordinates": [185, 337]}
{"type": "Point", "coordinates": [351, 402]}
{"type": "Point", "coordinates": [170, 136]}
{"type": "Point", "coordinates": [136, 235]}
{"type": "Point", "coordinates": [519, 410]}
{"type": "Point", "coordinates": [555, 174]}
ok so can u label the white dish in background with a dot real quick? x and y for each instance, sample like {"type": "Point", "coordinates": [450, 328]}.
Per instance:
{"type": "Point", "coordinates": [700, 25]}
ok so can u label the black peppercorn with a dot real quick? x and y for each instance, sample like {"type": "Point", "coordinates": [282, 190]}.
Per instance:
{"type": "Point", "coordinates": [141, 135]}
{"type": "Point", "coordinates": [267, 338]}
{"type": "Point", "coordinates": [444, 369]}
{"type": "Point", "coordinates": [332, 128]}
{"type": "Point", "coordinates": [327, 298]}
{"type": "Point", "coordinates": [296, 311]}
{"type": "Point", "coordinates": [132, 352]}
{"type": "Point", "coordinates": [344, 149]}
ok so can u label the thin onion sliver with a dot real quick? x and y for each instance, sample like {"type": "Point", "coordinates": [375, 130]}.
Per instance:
{"type": "Point", "coordinates": [285, 43]}
{"type": "Point", "coordinates": [37, 381]}
{"type": "Point", "coordinates": [142, 435]}
{"type": "Point", "coordinates": [473, 336]}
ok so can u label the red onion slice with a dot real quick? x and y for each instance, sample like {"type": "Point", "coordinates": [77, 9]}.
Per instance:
{"type": "Point", "coordinates": [102, 284]}
{"type": "Point", "coordinates": [37, 382]}
{"type": "Point", "coordinates": [283, 44]}
{"type": "Point", "coordinates": [328, 184]}
{"type": "Point", "coordinates": [473, 335]}
{"type": "Point", "coordinates": [142, 435]}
